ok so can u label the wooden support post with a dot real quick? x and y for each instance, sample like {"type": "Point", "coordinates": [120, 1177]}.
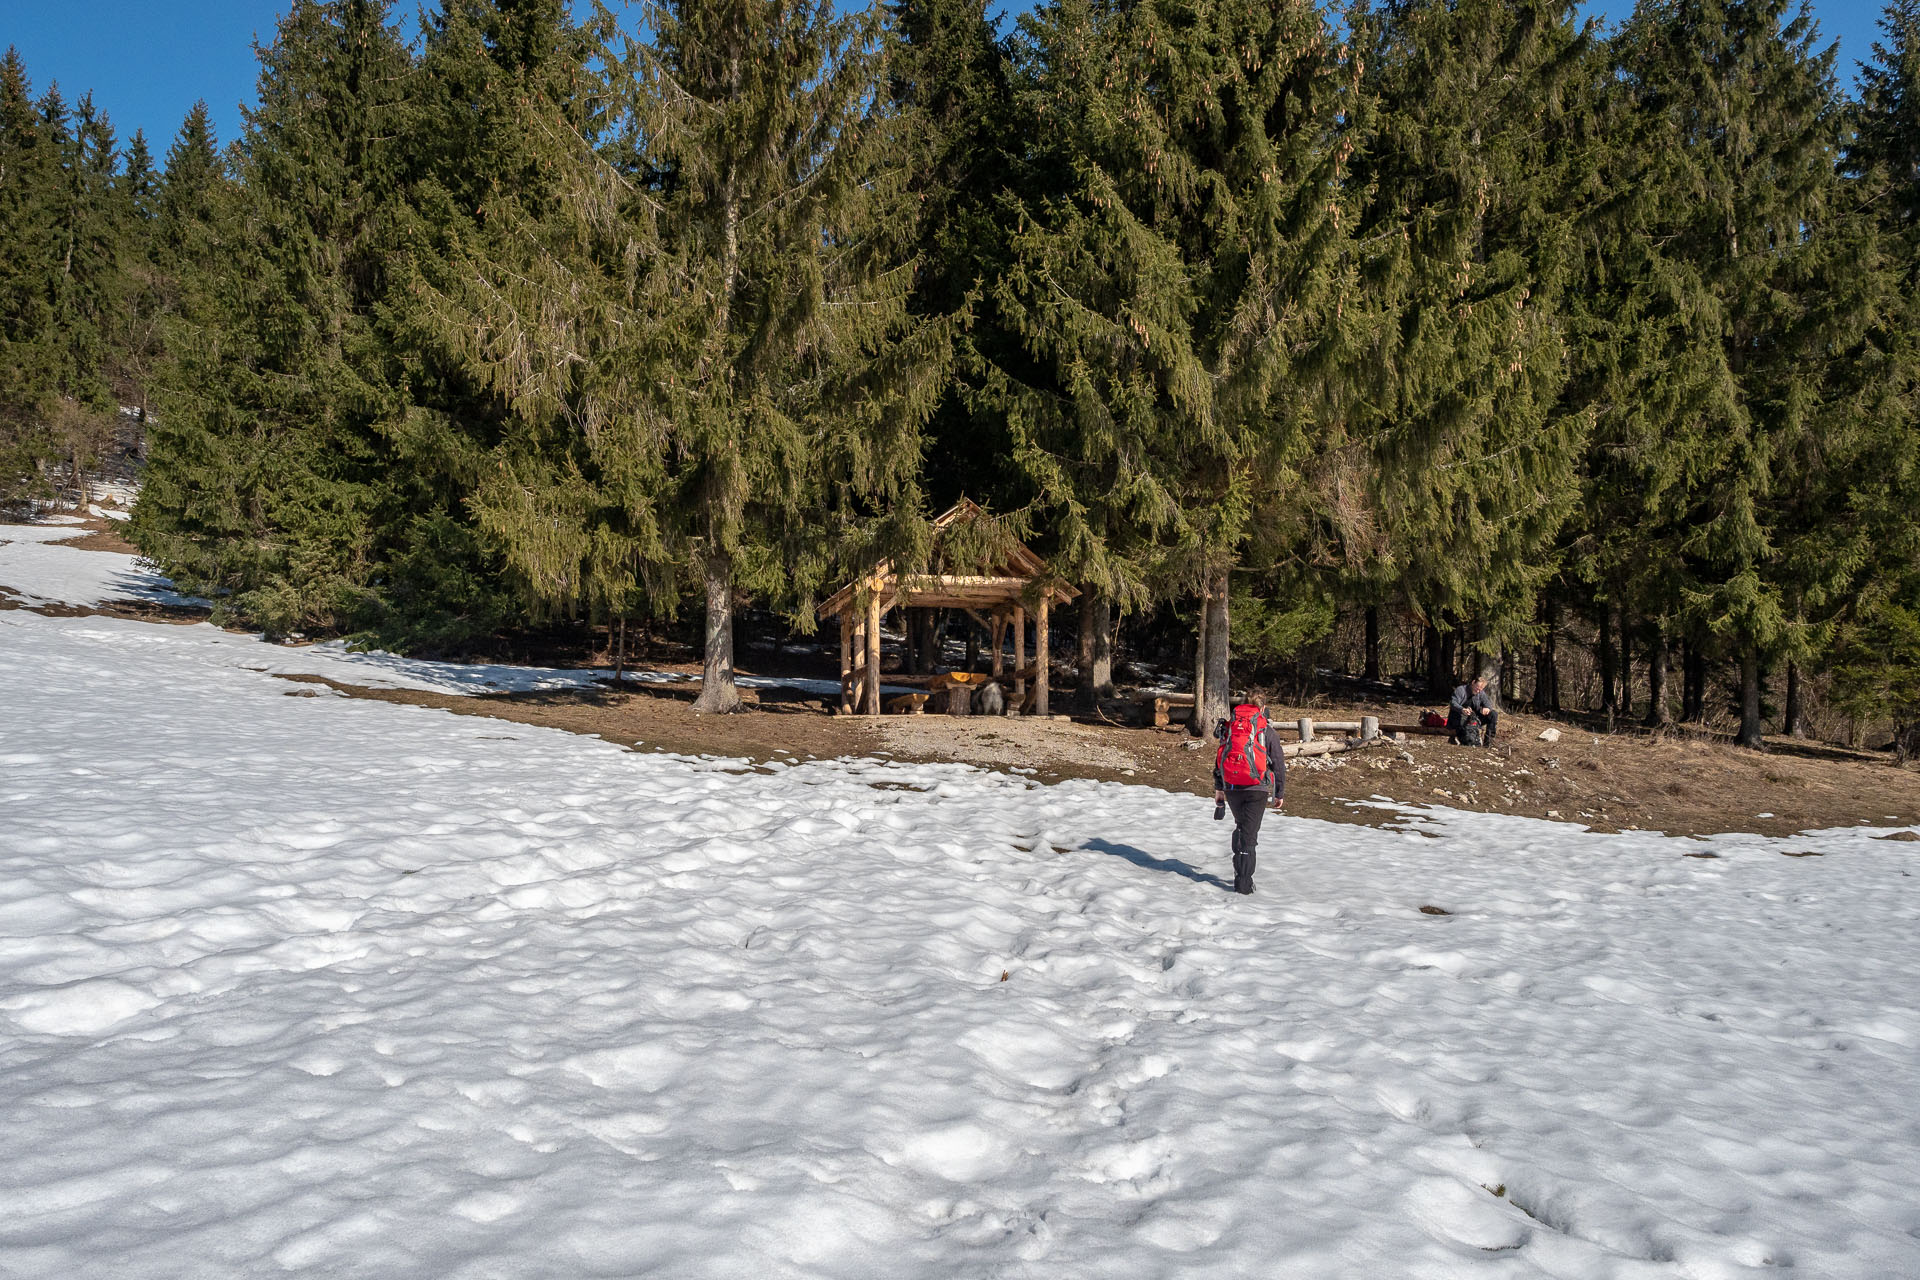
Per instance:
{"type": "Point", "coordinates": [1306, 729]}
{"type": "Point", "coordinates": [1019, 657]}
{"type": "Point", "coordinates": [846, 664]}
{"type": "Point", "coordinates": [1369, 728]}
{"type": "Point", "coordinates": [1040, 659]}
{"type": "Point", "coordinates": [999, 643]}
{"type": "Point", "coordinates": [873, 652]}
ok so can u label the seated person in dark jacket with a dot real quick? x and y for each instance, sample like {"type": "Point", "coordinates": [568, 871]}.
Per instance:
{"type": "Point", "coordinates": [1470, 702]}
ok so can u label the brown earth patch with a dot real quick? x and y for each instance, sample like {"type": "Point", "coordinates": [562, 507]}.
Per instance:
{"type": "Point", "coordinates": [1677, 783]}
{"type": "Point", "coordinates": [1609, 783]}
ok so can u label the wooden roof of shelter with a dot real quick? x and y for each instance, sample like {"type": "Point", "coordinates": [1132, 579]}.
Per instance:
{"type": "Point", "coordinates": [1007, 581]}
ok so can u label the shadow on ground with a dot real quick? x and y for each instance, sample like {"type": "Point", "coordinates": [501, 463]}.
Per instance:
{"type": "Point", "coordinates": [1141, 858]}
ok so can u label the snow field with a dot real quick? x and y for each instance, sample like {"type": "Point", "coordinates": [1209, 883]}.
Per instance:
{"type": "Point", "coordinates": [305, 984]}
{"type": "Point", "coordinates": [36, 568]}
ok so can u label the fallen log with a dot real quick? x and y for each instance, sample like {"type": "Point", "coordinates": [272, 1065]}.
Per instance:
{"type": "Point", "coordinates": [1326, 746]}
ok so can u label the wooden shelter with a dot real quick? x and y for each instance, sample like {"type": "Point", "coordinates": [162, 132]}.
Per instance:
{"type": "Point", "coordinates": [998, 597]}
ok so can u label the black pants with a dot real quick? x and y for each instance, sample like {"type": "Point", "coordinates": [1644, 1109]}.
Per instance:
{"type": "Point", "coordinates": [1489, 721]}
{"type": "Point", "coordinates": [1249, 805]}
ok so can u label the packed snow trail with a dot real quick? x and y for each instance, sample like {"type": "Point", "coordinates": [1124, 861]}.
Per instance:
{"type": "Point", "coordinates": [297, 983]}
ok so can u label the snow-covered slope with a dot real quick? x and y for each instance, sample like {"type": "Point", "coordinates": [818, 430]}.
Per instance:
{"type": "Point", "coordinates": [37, 569]}
{"type": "Point", "coordinates": [313, 985]}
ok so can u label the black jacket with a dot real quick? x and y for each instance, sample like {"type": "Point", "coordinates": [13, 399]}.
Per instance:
{"type": "Point", "coordinates": [1465, 699]}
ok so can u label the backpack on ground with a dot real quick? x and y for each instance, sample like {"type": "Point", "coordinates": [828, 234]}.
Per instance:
{"type": "Point", "coordinates": [1470, 733]}
{"type": "Point", "coordinates": [1433, 720]}
{"type": "Point", "coordinates": [1242, 758]}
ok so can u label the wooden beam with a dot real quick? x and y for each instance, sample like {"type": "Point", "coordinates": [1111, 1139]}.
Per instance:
{"type": "Point", "coordinates": [846, 665]}
{"type": "Point", "coordinates": [999, 642]}
{"type": "Point", "coordinates": [872, 699]}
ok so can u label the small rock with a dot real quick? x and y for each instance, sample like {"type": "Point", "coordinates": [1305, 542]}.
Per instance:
{"type": "Point", "coordinates": [1549, 735]}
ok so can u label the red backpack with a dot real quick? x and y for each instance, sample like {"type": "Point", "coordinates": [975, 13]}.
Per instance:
{"type": "Point", "coordinates": [1242, 758]}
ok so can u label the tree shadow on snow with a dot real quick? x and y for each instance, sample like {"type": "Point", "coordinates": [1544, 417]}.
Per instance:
{"type": "Point", "coordinates": [1141, 858]}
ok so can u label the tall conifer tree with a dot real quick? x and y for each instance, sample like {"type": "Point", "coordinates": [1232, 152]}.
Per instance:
{"type": "Point", "coordinates": [268, 484]}
{"type": "Point", "coordinates": [1479, 154]}
{"type": "Point", "coordinates": [1737, 137]}
{"type": "Point", "coordinates": [1181, 294]}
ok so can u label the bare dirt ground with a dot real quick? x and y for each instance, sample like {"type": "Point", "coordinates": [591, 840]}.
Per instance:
{"type": "Point", "coordinates": [1675, 783]}
{"type": "Point", "coordinates": [1607, 782]}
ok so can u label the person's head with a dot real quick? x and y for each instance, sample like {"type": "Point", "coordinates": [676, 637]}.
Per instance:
{"type": "Point", "coordinates": [1478, 684]}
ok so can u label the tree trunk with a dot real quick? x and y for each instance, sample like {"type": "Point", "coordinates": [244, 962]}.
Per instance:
{"type": "Point", "coordinates": [1086, 698]}
{"type": "Point", "coordinates": [718, 693]}
{"type": "Point", "coordinates": [1437, 684]}
{"type": "Point", "coordinates": [1546, 662]}
{"type": "Point", "coordinates": [1796, 725]}
{"type": "Point", "coordinates": [1693, 672]}
{"type": "Point", "coordinates": [1626, 664]}
{"type": "Point", "coordinates": [1608, 660]}
{"type": "Point", "coordinates": [620, 654]}
{"type": "Point", "coordinates": [1215, 707]}
{"type": "Point", "coordinates": [1197, 726]}
{"type": "Point", "coordinates": [1103, 649]}
{"type": "Point", "coordinates": [1373, 642]}
{"type": "Point", "coordinates": [1658, 716]}
{"type": "Point", "coordinates": [1752, 731]}
{"type": "Point", "coordinates": [1906, 741]}
{"type": "Point", "coordinates": [1019, 661]}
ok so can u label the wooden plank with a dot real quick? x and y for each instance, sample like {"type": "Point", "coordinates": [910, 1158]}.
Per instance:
{"type": "Point", "coordinates": [911, 704]}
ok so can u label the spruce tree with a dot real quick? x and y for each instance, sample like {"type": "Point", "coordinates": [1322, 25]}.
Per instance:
{"type": "Point", "coordinates": [1478, 156]}
{"type": "Point", "coordinates": [1876, 649]}
{"type": "Point", "coordinates": [702, 336]}
{"type": "Point", "coordinates": [268, 485]}
{"type": "Point", "coordinates": [30, 183]}
{"type": "Point", "coordinates": [785, 229]}
{"type": "Point", "coordinates": [61, 245]}
{"type": "Point", "coordinates": [1179, 295]}
{"type": "Point", "coordinates": [1726, 246]}
{"type": "Point", "coordinates": [1887, 118]}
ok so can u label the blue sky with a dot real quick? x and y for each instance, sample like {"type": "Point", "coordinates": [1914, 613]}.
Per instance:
{"type": "Point", "coordinates": [146, 61]}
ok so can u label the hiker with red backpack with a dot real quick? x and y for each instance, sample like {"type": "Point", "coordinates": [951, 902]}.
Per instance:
{"type": "Point", "coordinates": [1249, 776]}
